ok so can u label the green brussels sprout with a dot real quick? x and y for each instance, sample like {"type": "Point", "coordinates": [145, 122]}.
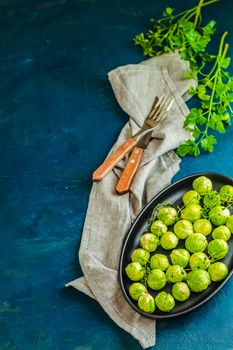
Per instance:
{"type": "Point", "coordinates": [159, 261]}
{"type": "Point", "coordinates": [198, 280]}
{"type": "Point", "coordinates": [183, 228]}
{"type": "Point", "coordinates": [135, 271]}
{"type": "Point", "coordinates": [203, 226]}
{"type": "Point", "coordinates": [219, 215]}
{"type": "Point", "coordinates": [165, 301]}
{"type": "Point", "coordinates": [229, 223]}
{"type": "Point", "coordinates": [156, 279]}
{"type": "Point", "coordinates": [199, 260]}
{"type": "Point", "coordinates": [149, 242]}
{"type": "Point", "coordinates": [196, 242]}
{"type": "Point", "coordinates": [180, 291]}
{"type": "Point", "coordinates": [158, 228]}
{"type": "Point", "coordinates": [218, 271]}
{"type": "Point", "coordinates": [212, 199]}
{"type": "Point", "coordinates": [167, 215]}
{"type": "Point", "coordinates": [218, 249]}
{"type": "Point", "coordinates": [226, 193]}
{"type": "Point", "coordinates": [146, 303]}
{"type": "Point", "coordinates": [140, 255]}
{"type": "Point", "coordinates": [202, 185]}
{"type": "Point", "coordinates": [180, 257]}
{"type": "Point", "coordinates": [191, 197]}
{"type": "Point", "coordinates": [175, 273]}
{"type": "Point", "coordinates": [136, 290]}
{"type": "Point", "coordinates": [221, 232]}
{"type": "Point", "coordinates": [168, 240]}
{"type": "Point", "coordinates": [192, 212]}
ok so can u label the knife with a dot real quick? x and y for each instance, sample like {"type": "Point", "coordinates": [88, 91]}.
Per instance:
{"type": "Point", "coordinates": [132, 165]}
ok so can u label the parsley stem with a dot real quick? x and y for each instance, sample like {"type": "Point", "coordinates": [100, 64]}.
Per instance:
{"type": "Point", "coordinates": [198, 13]}
{"type": "Point", "coordinates": [212, 70]}
{"type": "Point", "coordinates": [209, 2]}
{"type": "Point", "coordinates": [221, 44]}
{"type": "Point", "coordinates": [191, 12]}
{"type": "Point", "coordinates": [226, 47]}
{"type": "Point", "coordinates": [221, 55]}
{"type": "Point", "coordinates": [218, 56]}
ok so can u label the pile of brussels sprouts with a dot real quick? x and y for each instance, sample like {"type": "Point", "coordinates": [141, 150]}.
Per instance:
{"type": "Point", "coordinates": [204, 215]}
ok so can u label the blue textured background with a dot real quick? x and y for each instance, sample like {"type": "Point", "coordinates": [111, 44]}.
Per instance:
{"type": "Point", "coordinates": [58, 119]}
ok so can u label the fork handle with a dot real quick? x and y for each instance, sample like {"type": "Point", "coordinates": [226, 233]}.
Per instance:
{"type": "Point", "coordinates": [131, 167]}
{"type": "Point", "coordinates": [113, 159]}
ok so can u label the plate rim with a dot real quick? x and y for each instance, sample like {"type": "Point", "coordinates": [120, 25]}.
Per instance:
{"type": "Point", "coordinates": [120, 272]}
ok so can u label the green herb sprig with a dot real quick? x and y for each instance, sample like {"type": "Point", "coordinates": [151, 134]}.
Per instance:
{"type": "Point", "coordinates": [154, 213]}
{"type": "Point", "coordinates": [183, 32]}
{"type": "Point", "coordinates": [215, 93]}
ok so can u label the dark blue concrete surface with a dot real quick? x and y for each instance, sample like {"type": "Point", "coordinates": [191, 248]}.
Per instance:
{"type": "Point", "coordinates": [58, 119]}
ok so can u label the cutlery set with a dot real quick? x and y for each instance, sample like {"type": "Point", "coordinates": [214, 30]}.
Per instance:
{"type": "Point", "coordinates": [137, 143]}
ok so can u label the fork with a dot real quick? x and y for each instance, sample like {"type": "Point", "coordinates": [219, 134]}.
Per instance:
{"type": "Point", "coordinates": [150, 123]}
{"type": "Point", "coordinates": [134, 160]}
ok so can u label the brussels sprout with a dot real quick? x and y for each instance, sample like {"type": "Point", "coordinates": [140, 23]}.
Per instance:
{"type": "Point", "coordinates": [175, 273]}
{"type": "Point", "coordinates": [183, 228]}
{"type": "Point", "coordinates": [158, 228]}
{"type": "Point", "coordinates": [202, 185]}
{"type": "Point", "coordinates": [136, 290]}
{"type": "Point", "coordinates": [192, 212]}
{"type": "Point", "coordinates": [229, 223]}
{"type": "Point", "coordinates": [196, 242]}
{"type": "Point", "coordinates": [168, 240]}
{"type": "Point", "coordinates": [180, 291]}
{"type": "Point", "coordinates": [146, 303]}
{"type": "Point", "coordinates": [203, 226]}
{"type": "Point", "coordinates": [226, 193]}
{"type": "Point", "coordinates": [218, 215]}
{"type": "Point", "coordinates": [221, 232]}
{"type": "Point", "coordinates": [159, 261]}
{"type": "Point", "coordinates": [180, 257]}
{"type": "Point", "coordinates": [199, 260]}
{"type": "Point", "coordinates": [198, 280]}
{"type": "Point", "coordinates": [165, 301]}
{"type": "Point", "coordinates": [156, 279]}
{"type": "Point", "coordinates": [217, 248]}
{"type": "Point", "coordinates": [135, 271]}
{"type": "Point", "coordinates": [167, 215]}
{"type": "Point", "coordinates": [149, 242]}
{"type": "Point", "coordinates": [212, 199]}
{"type": "Point", "coordinates": [191, 197]}
{"type": "Point", "coordinates": [140, 255]}
{"type": "Point", "coordinates": [218, 271]}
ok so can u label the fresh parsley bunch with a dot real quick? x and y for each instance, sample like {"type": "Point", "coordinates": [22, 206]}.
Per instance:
{"type": "Point", "coordinates": [184, 33]}
{"type": "Point", "coordinates": [215, 93]}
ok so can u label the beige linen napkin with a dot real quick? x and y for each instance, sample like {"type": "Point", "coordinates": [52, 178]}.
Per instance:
{"type": "Point", "coordinates": [110, 216]}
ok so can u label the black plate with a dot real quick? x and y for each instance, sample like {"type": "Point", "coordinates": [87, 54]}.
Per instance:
{"type": "Point", "coordinates": [174, 194]}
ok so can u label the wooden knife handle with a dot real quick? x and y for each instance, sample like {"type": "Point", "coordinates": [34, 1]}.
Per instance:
{"type": "Point", "coordinates": [113, 160]}
{"type": "Point", "coordinates": [126, 178]}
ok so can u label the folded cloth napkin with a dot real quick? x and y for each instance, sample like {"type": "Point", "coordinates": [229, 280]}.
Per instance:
{"type": "Point", "coordinates": [110, 216]}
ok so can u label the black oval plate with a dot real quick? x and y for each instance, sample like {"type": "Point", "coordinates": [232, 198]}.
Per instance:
{"type": "Point", "coordinates": [174, 194]}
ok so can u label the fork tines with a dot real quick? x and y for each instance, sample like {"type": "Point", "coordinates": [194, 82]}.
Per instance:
{"type": "Point", "coordinates": [160, 108]}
